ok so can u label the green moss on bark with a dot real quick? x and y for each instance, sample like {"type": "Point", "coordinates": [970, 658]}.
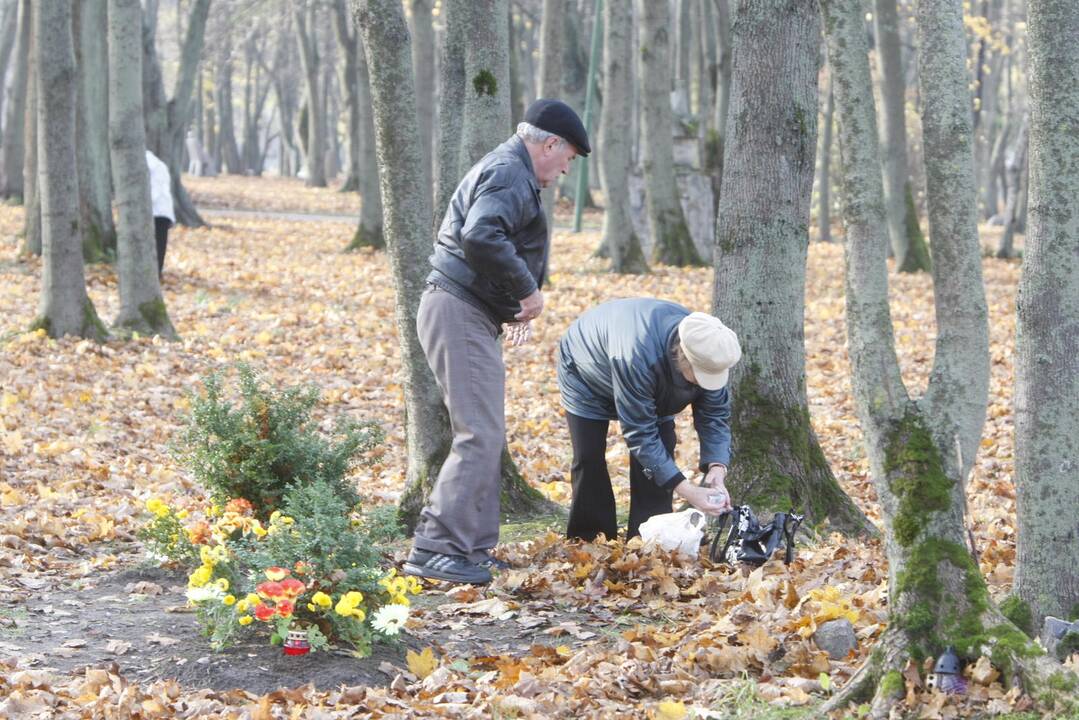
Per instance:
{"type": "Point", "coordinates": [367, 238]}
{"type": "Point", "coordinates": [154, 313]}
{"type": "Point", "coordinates": [484, 83]}
{"type": "Point", "coordinates": [917, 257]}
{"type": "Point", "coordinates": [92, 325]}
{"type": "Point", "coordinates": [892, 683]}
{"type": "Point", "coordinates": [916, 476]}
{"type": "Point", "coordinates": [1018, 611]}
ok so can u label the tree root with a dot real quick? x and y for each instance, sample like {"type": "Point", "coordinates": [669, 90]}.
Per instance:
{"type": "Point", "coordinates": [872, 678]}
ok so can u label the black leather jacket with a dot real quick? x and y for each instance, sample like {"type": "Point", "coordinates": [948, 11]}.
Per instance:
{"type": "Point", "coordinates": [492, 247]}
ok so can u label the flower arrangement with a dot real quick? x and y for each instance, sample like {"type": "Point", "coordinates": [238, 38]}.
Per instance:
{"type": "Point", "coordinates": [295, 556]}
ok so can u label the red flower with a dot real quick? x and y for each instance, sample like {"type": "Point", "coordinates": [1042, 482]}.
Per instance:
{"type": "Point", "coordinates": [285, 608]}
{"type": "Point", "coordinates": [264, 612]}
{"type": "Point", "coordinates": [270, 590]}
{"type": "Point", "coordinates": [276, 573]}
{"type": "Point", "coordinates": [292, 588]}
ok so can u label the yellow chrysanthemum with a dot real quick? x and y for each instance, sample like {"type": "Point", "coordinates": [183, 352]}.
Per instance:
{"type": "Point", "coordinates": [246, 620]}
{"type": "Point", "coordinates": [242, 606]}
{"type": "Point", "coordinates": [201, 576]}
{"type": "Point", "coordinates": [222, 583]}
{"type": "Point", "coordinates": [182, 514]}
{"type": "Point", "coordinates": [253, 599]}
{"type": "Point", "coordinates": [322, 599]}
{"type": "Point", "coordinates": [229, 600]}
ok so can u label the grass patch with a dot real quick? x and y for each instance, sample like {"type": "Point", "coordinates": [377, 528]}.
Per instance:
{"type": "Point", "coordinates": [519, 531]}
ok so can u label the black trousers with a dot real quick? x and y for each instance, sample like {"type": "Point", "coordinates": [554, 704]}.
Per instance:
{"type": "Point", "coordinates": [593, 508]}
{"type": "Point", "coordinates": [161, 235]}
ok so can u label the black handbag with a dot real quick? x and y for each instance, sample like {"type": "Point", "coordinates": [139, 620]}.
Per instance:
{"type": "Point", "coordinates": [747, 541]}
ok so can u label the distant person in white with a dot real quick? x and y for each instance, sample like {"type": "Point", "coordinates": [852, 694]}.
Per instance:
{"type": "Point", "coordinates": [161, 205]}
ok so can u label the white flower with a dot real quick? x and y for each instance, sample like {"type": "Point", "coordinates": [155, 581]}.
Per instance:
{"type": "Point", "coordinates": [389, 619]}
{"type": "Point", "coordinates": [204, 593]}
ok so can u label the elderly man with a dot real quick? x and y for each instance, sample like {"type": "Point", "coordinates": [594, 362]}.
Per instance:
{"type": "Point", "coordinates": [641, 361]}
{"type": "Point", "coordinates": [489, 263]}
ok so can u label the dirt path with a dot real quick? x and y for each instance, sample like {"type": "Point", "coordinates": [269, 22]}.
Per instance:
{"type": "Point", "coordinates": [137, 618]}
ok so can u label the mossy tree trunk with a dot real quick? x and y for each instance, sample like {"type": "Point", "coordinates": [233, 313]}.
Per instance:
{"type": "Point", "coordinates": [762, 238]}
{"type": "Point", "coordinates": [142, 307]}
{"type": "Point", "coordinates": [451, 89]}
{"type": "Point", "coordinates": [920, 451]}
{"type": "Point", "coordinates": [622, 243]}
{"type": "Point", "coordinates": [908, 243]}
{"type": "Point", "coordinates": [671, 241]}
{"type": "Point", "coordinates": [92, 119]}
{"type": "Point", "coordinates": [65, 308]}
{"type": "Point", "coordinates": [487, 75]}
{"type": "Point", "coordinates": [1047, 346]}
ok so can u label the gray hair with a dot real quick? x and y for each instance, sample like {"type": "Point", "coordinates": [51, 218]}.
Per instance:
{"type": "Point", "coordinates": [530, 133]}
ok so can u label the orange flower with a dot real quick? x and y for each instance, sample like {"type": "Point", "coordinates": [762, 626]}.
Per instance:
{"type": "Point", "coordinates": [199, 533]}
{"type": "Point", "coordinates": [300, 567]}
{"type": "Point", "coordinates": [277, 573]}
{"type": "Point", "coordinates": [285, 608]}
{"type": "Point", "coordinates": [272, 590]}
{"type": "Point", "coordinates": [292, 588]}
{"type": "Point", "coordinates": [239, 505]}
{"type": "Point", "coordinates": [264, 612]}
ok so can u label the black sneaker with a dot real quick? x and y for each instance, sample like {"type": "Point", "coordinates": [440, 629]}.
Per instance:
{"type": "Point", "coordinates": [493, 563]}
{"type": "Point", "coordinates": [437, 566]}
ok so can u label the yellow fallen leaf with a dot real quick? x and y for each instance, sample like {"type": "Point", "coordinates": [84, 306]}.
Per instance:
{"type": "Point", "coordinates": [670, 710]}
{"type": "Point", "coordinates": [421, 664]}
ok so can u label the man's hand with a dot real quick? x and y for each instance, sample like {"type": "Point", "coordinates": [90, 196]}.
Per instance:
{"type": "Point", "coordinates": [518, 333]}
{"type": "Point", "coordinates": [699, 497]}
{"type": "Point", "coordinates": [716, 480]}
{"type": "Point", "coordinates": [531, 307]}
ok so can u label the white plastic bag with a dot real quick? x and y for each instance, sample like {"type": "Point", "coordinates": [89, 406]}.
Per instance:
{"type": "Point", "coordinates": [680, 531]}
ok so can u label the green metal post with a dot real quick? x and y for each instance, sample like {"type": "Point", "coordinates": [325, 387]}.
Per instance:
{"type": "Point", "coordinates": [593, 56]}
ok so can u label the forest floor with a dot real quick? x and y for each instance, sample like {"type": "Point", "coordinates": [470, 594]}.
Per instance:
{"type": "Point", "coordinates": [89, 628]}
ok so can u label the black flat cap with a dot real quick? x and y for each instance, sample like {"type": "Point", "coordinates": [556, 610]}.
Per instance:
{"type": "Point", "coordinates": [557, 117]}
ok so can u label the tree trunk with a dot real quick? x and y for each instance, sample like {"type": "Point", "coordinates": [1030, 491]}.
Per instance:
{"type": "Point", "coordinates": [92, 120]}
{"type": "Point", "coordinates": [707, 73]}
{"type": "Point", "coordinates": [226, 128]}
{"type": "Point", "coordinates": [408, 227]}
{"type": "Point", "coordinates": [142, 308]}
{"type": "Point", "coordinates": [908, 243]}
{"type": "Point", "coordinates": [1047, 344]}
{"type": "Point", "coordinates": [487, 74]}
{"type": "Point", "coordinates": [9, 31]}
{"type": "Point", "coordinates": [517, 87]}
{"type": "Point", "coordinates": [550, 76]}
{"type": "Point", "coordinates": [1015, 172]}
{"type": "Point", "coordinates": [307, 31]}
{"type": "Point", "coordinates": [762, 240]}
{"type": "Point", "coordinates": [31, 183]}
{"type": "Point", "coordinates": [451, 85]}
{"type": "Point", "coordinates": [618, 235]}
{"type": "Point", "coordinates": [12, 150]}
{"type": "Point", "coordinates": [167, 119]}
{"type": "Point", "coordinates": [369, 232]}
{"type": "Point", "coordinates": [65, 308]}
{"type": "Point", "coordinates": [350, 78]}
{"type": "Point", "coordinates": [683, 30]}
{"type": "Point", "coordinates": [723, 93]}
{"type": "Point", "coordinates": [824, 168]}
{"type": "Point", "coordinates": [671, 241]}
{"type": "Point", "coordinates": [423, 60]}
{"type": "Point", "coordinates": [916, 448]}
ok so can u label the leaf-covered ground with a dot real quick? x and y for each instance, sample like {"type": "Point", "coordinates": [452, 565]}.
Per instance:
{"type": "Point", "coordinates": [585, 630]}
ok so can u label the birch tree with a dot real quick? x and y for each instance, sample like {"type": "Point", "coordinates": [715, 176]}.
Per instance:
{"type": "Point", "coordinates": [762, 238]}
{"type": "Point", "coordinates": [671, 241]}
{"type": "Point", "coordinates": [619, 237]}
{"type": "Point", "coordinates": [65, 308]}
{"type": "Point", "coordinates": [1047, 346]}
{"type": "Point", "coordinates": [920, 450]}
